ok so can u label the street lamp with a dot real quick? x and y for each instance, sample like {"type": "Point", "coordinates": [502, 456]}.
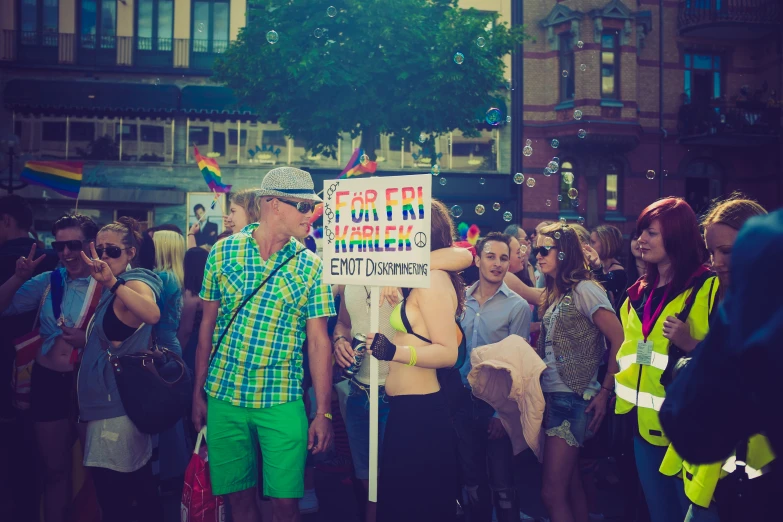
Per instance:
{"type": "Point", "coordinates": [9, 146]}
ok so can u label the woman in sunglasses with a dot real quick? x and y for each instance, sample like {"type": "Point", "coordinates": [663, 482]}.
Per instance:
{"type": "Point", "coordinates": [62, 298]}
{"type": "Point", "coordinates": [116, 451]}
{"type": "Point", "coordinates": [578, 317]}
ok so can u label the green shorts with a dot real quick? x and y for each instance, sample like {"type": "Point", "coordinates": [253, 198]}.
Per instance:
{"type": "Point", "coordinates": [235, 434]}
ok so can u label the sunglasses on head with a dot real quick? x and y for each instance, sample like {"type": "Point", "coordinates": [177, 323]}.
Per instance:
{"type": "Point", "coordinates": [302, 206]}
{"type": "Point", "coordinates": [112, 251]}
{"type": "Point", "coordinates": [73, 245]}
{"type": "Point", "coordinates": [543, 251]}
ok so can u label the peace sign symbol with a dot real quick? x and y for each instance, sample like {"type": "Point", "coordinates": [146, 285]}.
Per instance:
{"type": "Point", "coordinates": [420, 239]}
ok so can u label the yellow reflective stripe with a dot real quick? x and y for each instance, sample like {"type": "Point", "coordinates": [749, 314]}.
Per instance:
{"type": "Point", "coordinates": [658, 361]}
{"type": "Point", "coordinates": [731, 466]}
{"type": "Point", "coordinates": [640, 399]}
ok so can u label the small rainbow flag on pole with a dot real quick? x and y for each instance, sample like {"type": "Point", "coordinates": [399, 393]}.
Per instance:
{"type": "Point", "coordinates": [64, 177]}
{"type": "Point", "coordinates": [211, 172]}
{"type": "Point", "coordinates": [355, 166]}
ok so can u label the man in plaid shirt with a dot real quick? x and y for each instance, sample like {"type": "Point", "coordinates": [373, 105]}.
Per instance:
{"type": "Point", "coordinates": [254, 382]}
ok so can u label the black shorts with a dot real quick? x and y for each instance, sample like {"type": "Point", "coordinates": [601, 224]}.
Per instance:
{"type": "Point", "coordinates": [51, 394]}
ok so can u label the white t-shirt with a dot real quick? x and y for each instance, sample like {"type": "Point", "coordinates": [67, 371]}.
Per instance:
{"type": "Point", "coordinates": [588, 298]}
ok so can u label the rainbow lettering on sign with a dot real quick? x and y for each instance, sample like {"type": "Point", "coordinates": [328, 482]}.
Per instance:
{"type": "Point", "coordinates": [396, 238]}
{"type": "Point", "coordinates": [410, 196]}
{"type": "Point", "coordinates": [362, 205]}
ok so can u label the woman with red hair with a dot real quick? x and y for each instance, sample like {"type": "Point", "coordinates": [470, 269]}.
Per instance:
{"type": "Point", "coordinates": [674, 298]}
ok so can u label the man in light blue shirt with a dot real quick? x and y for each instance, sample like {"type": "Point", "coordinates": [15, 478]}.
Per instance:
{"type": "Point", "coordinates": [492, 313]}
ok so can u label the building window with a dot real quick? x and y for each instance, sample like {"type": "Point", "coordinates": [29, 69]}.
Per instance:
{"type": "Point", "coordinates": [154, 25]}
{"type": "Point", "coordinates": [232, 137]}
{"type": "Point", "coordinates": [53, 131]}
{"type": "Point", "coordinates": [610, 65]}
{"type": "Point", "coordinates": [210, 26]}
{"type": "Point", "coordinates": [702, 80]}
{"type": "Point", "coordinates": [274, 138]}
{"type": "Point", "coordinates": [567, 86]}
{"type": "Point", "coordinates": [152, 133]}
{"type": "Point", "coordinates": [567, 180]}
{"type": "Point", "coordinates": [39, 22]}
{"type": "Point", "coordinates": [98, 26]}
{"type": "Point", "coordinates": [198, 135]}
{"type": "Point", "coordinates": [82, 131]}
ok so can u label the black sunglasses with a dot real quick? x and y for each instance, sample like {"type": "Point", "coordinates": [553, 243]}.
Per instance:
{"type": "Point", "coordinates": [73, 245]}
{"type": "Point", "coordinates": [112, 251]}
{"type": "Point", "coordinates": [542, 250]}
{"type": "Point", "coordinates": [302, 206]}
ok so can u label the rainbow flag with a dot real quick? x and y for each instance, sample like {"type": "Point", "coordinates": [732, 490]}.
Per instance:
{"type": "Point", "coordinates": [355, 167]}
{"type": "Point", "coordinates": [64, 177]}
{"type": "Point", "coordinates": [211, 172]}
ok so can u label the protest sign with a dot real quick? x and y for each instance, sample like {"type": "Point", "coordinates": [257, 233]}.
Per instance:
{"type": "Point", "coordinates": [377, 231]}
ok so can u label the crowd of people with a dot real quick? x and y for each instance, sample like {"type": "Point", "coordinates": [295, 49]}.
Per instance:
{"type": "Point", "coordinates": [549, 340]}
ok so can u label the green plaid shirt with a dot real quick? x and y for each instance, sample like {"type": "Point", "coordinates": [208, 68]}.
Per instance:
{"type": "Point", "coordinates": [259, 362]}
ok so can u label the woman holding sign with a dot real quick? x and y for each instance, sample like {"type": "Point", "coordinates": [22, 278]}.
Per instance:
{"type": "Point", "coordinates": [418, 463]}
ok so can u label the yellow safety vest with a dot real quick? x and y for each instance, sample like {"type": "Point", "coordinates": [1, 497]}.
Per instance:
{"type": "Point", "coordinates": [700, 480]}
{"type": "Point", "coordinates": [640, 385]}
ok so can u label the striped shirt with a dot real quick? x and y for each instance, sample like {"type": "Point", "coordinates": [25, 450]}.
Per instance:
{"type": "Point", "coordinates": [259, 362]}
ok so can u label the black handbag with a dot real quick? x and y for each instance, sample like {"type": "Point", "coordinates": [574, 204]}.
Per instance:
{"type": "Point", "coordinates": [740, 498]}
{"type": "Point", "coordinates": [155, 387]}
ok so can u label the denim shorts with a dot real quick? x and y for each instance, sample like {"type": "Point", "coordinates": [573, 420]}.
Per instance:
{"type": "Point", "coordinates": [357, 424]}
{"type": "Point", "coordinates": [565, 417]}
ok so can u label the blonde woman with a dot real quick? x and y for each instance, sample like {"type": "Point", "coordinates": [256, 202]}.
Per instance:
{"type": "Point", "coordinates": [243, 210]}
{"type": "Point", "coordinates": [169, 266]}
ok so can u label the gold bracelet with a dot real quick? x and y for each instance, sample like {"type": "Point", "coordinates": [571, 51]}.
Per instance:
{"type": "Point", "coordinates": [412, 361]}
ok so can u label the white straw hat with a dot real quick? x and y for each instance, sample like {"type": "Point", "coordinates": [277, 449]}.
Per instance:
{"type": "Point", "coordinates": [288, 182]}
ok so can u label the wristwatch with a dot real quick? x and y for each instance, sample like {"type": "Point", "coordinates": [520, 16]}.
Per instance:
{"type": "Point", "coordinates": [120, 281]}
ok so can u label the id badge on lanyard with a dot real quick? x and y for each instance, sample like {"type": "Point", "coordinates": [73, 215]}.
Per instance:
{"type": "Point", "coordinates": [644, 349]}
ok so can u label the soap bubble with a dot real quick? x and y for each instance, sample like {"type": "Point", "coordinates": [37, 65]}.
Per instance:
{"type": "Point", "coordinates": [553, 166]}
{"type": "Point", "coordinates": [560, 197]}
{"type": "Point", "coordinates": [557, 235]}
{"type": "Point", "coordinates": [581, 133]}
{"type": "Point", "coordinates": [573, 193]}
{"type": "Point", "coordinates": [507, 216]}
{"type": "Point", "coordinates": [581, 221]}
{"type": "Point", "coordinates": [567, 300]}
{"type": "Point", "coordinates": [508, 119]}
{"type": "Point", "coordinates": [480, 41]}
{"type": "Point", "coordinates": [272, 37]}
{"type": "Point", "coordinates": [527, 150]}
{"type": "Point", "coordinates": [523, 249]}
{"type": "Point", "coordinates": [318, 32]}
{"type": "Point", "coordinates": [528, 142]}
{"type": "Point", "coordinates": [580, 44]}
{"type": "Point", "coordinates": [547, 172]}
{"type": "Point", "coordinates": [443, 181]}
{"type": "Point", "coordinates": [456, 211]}
{"type": "Point", "coordinates": [519, 178]}
{"type": "Point", "coordinates": [200, 27]}
{"type": "Point", "coordinates": [650, 174]}
{"type": "Point", "coordinates": [548, 202]}
{"type": "Point", "coordinates": [568, 177]}
{"type": "Point", "coordinates": [563, 220]}
{"type": "Point", "coordinates": [496, 206]}
{"type": "Point", "coordinates": [435, 170]}
{"type": "Point", "coordinates": [575, 203]}
{"type": "Point", "coordinates": [459, 58]}
{"type": "Point", "coordinates": [561, 255]}
{"type": "Point", "coordinates": [422, 137]}
{"type": "Point", "coordinates": [331, 11]}
{"type": "Point", "coordinates": [157, 81]}
{"type": "Point", "coordinates": [482, 181]}
{"type": "Point", "coordinates": [364, 159]}
{"type": "Point", "coordinates": [583, 67]}
{"type": "Point", "coordinates": [577, 114]}
{"type": "Point", "coordinates": [555, 144]}
{"type": "Point", "coordinates": [564, 73]}
{"type": "Point", "coordinates": [493, 116]}
{"type": "Point", "coordinates": [480, 209]}
{"type": "Point", "coordinates": [531, 182]}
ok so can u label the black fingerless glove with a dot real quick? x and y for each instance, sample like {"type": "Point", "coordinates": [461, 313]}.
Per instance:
{"type": "Point", "coordinates": [382, 348]}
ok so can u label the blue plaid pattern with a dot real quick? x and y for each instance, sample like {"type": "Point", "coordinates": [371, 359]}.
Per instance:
{"type": "Point", "coordinates": [259, 362]}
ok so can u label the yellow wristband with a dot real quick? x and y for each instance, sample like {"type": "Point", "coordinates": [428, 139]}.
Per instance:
{"type": "Point", "coordinates": [412, 361]}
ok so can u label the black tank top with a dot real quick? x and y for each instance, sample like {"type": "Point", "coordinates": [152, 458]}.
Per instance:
{"type": "Point", "coordinates": [115, 329]}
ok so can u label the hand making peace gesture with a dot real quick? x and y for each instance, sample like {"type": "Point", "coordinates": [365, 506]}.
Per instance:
{"type": "Point", "coordinates": [101, 271]}
{"type": "Point", "coordinates": [25, 266]}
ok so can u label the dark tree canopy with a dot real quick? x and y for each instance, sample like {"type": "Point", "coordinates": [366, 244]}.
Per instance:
{"type": "Point", "coordinates": [377, 66]}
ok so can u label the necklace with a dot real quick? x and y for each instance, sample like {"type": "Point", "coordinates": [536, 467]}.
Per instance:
{"type": "Point", "coordinates": [367, 302]}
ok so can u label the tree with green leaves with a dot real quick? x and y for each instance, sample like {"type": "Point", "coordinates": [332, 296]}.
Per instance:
{"type": "Point", "coordinates": [415, 69]}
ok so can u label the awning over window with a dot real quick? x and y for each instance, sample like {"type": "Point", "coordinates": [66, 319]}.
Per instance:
{"type": "Point", "coordinates": [90, 97]}
{"type": "Point", "coordinates": [211, 99]}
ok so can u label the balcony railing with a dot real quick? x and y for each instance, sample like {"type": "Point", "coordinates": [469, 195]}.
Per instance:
{"type": "Point", "coordinates": [107, 51]}
{"type": "Point", "coordinates": [704, 15]}
{"type": "Point", "coordinates": [740, 123]}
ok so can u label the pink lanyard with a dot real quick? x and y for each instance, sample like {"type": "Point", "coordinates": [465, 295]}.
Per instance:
{"type": "Point", "coordinates": [647, 320]}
